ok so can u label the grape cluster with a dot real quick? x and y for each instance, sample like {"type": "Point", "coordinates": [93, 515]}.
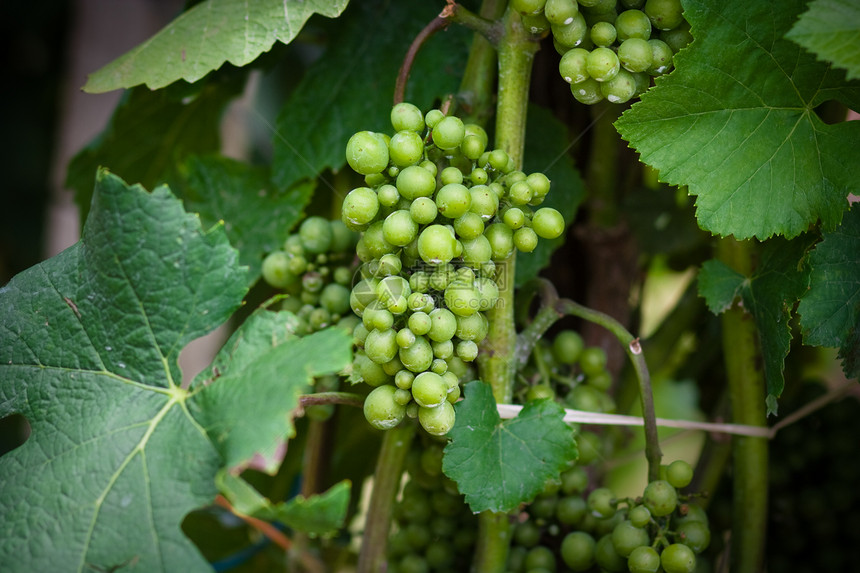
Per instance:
{"type": "Point", "coordinates": [433, 528]}
{"type": "Point", "coordinates": [437, 213]}
{"type": "Point", "coordinates": [590, 530]}
{"type": "Point", "coordinates": [569, 371]}
{"type": "Point", "coordinates": [609, 50]}
{"type": "Point", "coordinates": [314, 268]}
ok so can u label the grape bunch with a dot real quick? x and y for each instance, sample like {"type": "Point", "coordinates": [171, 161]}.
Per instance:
{"type": "Point", "coordinates": [314, 268]}
{"type": "Point", "coordinates": [593, 530]}
{"type": "Point", "coordinates": [609, 50]}
{"type": "Point", "coordinates": [437, 213]}
{"type": "Point", "coordinates": [433, 528]}
{"type": "Point", "coordinates": [567, 370]}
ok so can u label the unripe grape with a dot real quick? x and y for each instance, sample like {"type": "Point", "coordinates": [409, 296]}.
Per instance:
{"type": "Point", "coordinates": [405, 148]}
{"type": "Point", "coordinates": [601, 502]}
{"type": "Point", "coordinates": [577, 550]}
{"type": "Point", "coordinates": [501, 239]}
{"type": "Point", "coordinates": [573, 66]}
{"type": "Point", "coordinates": [443, 325]}
{"type": "Point", "coordinates": [525, 239]}
{"type": "Point", "coordinates": [607, 557]}
{"type": "Point", "coordinates": [572, 34]}
{"type": "Point", "coordinates": [360, 207]}
{"type": "Point", "coordinates": [467, 350]}
{"type": "Point", "coordinates": [404, 379]}
{"type": "Point", "coordinates": [335, 298]}
{"type": "Point", "coordinates": [643, 559]}
{"type": "Point", "coordinates": [418, 357]}
{"type": "Point", "coordinates": [469, 226]}
{"type": "Point", "coordinates": [478, 176]}
{"type": "Point", "coordinates": [429, 389]}
{"type": "Point", "coordinates": [603, 34]}
{"type": "Point", "coordinates": [639, 516]}
{"type": "Point", "coordinates": [592, 360]}
{"type": "Point", "coordinates": [432, 117]}
{"type": "Point", "coordinates": [476, 251]}
{"type": "Point", "coordinates": [679, 38]}
{"type": "Point", "coordinates": [548, 223]}
{"type": "Point", "coordinates": [498, 159]}
{"type": "Point", "coordinates": [587, 91]}
{"type": "Point", "coordinates": [661, 57]}
{"type": "Point", "coordinates": [679, 474]}
{"type": "Point", "coordinates": [367, 152]}
{"type": "Point", "coordinates": [567, 346]}
{"type": "Point", "coordinates": [388, 195]}
{"type": "Point", "coordinates": [451, 175]}
{"type": "Point", "coordinates": [449, 132]}
{"type": "Point", "coordinates": [626, 537]}
{"type": "Point", "coordinates": [540, 557]}
{"type": "Point", "coordinates": [405, 115]}
{"type": "Point", "coordinates": [664, 14]}
{"type": "Point", "coordinates": [602, 64]}
{"type": "Point", "coordinates": [635, 54]}
{"type": "Point", "coordinates": [695, 535]}
{"type": "Point", "coordinates": [472, 147]}
{"type": "Point", "coordinates": [561, 11]}
{"type": "Point", "coordinates": [621, 88]}
{"type": "Point", "coordinates": [436, 244]}
{"type": "Point", "coordinates": [484, 202]}
{"type": "Point", "coordinates": [381, 409]}
{"type": "Point", "coordinates": [660, 498]}
{"type": "Point", "coordinates": [415, 181]}
{"type": "Point", "coordinates": [633, 24]}
{"type": "Point", "coordinates": [678, 558]}
{"type": "Point", "coordinates": [275, 270]}
{"type": "Point", "coordinates": [437, 421]}
{"type": "Point", "coordinates": [453, 200]}
{"type": "Point", "coordinates": [462, 298]}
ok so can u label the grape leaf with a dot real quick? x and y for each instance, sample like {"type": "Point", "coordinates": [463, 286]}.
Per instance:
{"type": "Point", "coordinates": [830, 310]}
{"type": "Point", "coordinates": [769, 295]}
{"type": "Point", "coordinates": [831, 30]}
{"type": "Point", "coordinates": [500, 464]}
{"type": "Point", "coordinates": [736, 122]}
{"type": "Point", "coordinates": [319, 514]}
{"type": "Point", "coordinates": [351, 87]}
{"type": "Point", "coordinates": [88, 352]}
{"type": "Point", "coordinates": [257, 218]}
{"type": "Point", "coordinates": [151, 133]}
{"type": "Point", "coordinates": [547, 140]}
{"type": "Point", "coordinates": [207, 35]}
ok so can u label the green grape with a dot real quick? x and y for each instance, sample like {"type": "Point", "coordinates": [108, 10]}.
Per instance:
{"type": "Point", "coordinates": [633, 24]}
{"type": "Point", "coordinates": [399, 228]}
{"type": "Point", "coordinates": [660, 498]}
{"type": "Point", "coordinates": [577, 550]}
{"type": "Point", "coordinates": [420, 323]}
{"type": "Point", "coordinates": [501, 239]}
{"type": "Point", "coordinates": [621, 88]}
{"type": "Point", "coordinates": [679, 474]}
{"type": "Point", "coordinates": [404, 379]}
{"type": "Point", "coordinates": [585, 398]}
{"type": "Point", "coordinates": [342, 239]}
{"type": "Point", "coordinates": [437, 421]}
{"type": "Point", "coordinates": [360, 207]}
{"type": "Point", "coordinates": [423, 210]}
{"type": "Point", "coordinates": [462, 298]}
{"type": "Point", "coordinates": [514, 218]}
{"type": "Point", "coordinates": [440, 555]}
{"type": "Point", "coordinates": [483, 202]}
{"type": "Point", "coordinates": [561, 11]}
{"type": "Point", "coordinates": [436, 244]}
{"type": "Point", "coordinates": [406, 116]}
{"type": "Point", "coordinates": [438, 366]}
{"type": "Point", "coordinates": [525, 239]}
{"type": "Point", "coordinates": [678, 558]}
{"type": "Point", "coordinates": [472, 147]}
{"type": "Point", "coordinates": [415, 181]}
{"type": "Point", "coordinates": [689, 512]}
{"type": "Point", "coordinates": [450, 175]}
{"type": "Point", "coordinates": [393, 366]}
{"type": "Point", "coordinates": [639, 516]}
{"type": "Point", "coordinates": [664, 14]}
{"type": "Point", "coordinates": [335, 298]}
{"type": "Point", "coordinates": [570, 510]}
{"type": "Point", "coordinates": [601, 502]}
{"type": "Point", "coordinates": [661, 57]}
{"type": "Point", "coordinates": [477, 251]}
{"type": "Point", "coordinates": [467, 350]}
{"type": "Point", "coordinates": [633, 3]}
{"type": "Point", "coordinates": [498, 159]}
{"type": "Point", "coordinates": [432, 117]}
{"type": "Point", "coordinates": [469, 226]}
{"type": "Point", "coordinates": [417, 357]}
{"type": "Point", "coordinates": [429, 389]}
{"type": "Point", "coordinates": [414, 563]}
{"type": "Point", "coordinates": [589, 446]}
{"type": "Point", "coordinates": [626, 537]}
{"type": "Point", "coordinates": [587, 91]}
{"type": "Point", "coordinates": [540, 557]}
{"type": "Point", "coordinates": [405, 338]}
{"type": "Point", "coordinates": [381, 345]}
{"type": "Point", "coordinates": [312, 282]}
{"type": "Point", "coordinates": [488, 291]}
{"type": "Point", "coordinates": [478, 176]}
{"type": "Point", "coordinates": [315, 233]}
{"type": "Point", "coordinates": [602, 64]}
{"type": "Point", "coordinates": [276, 271]}
{"type": "Point", "coordinates": [453, 200]}
{"type": "Point", "coordinates": [381, 410]}
{"type": "Point", "coordinates": [443, 325]}
{"type": "Point", "coordinates": [574, 480]}
{"type": "Point", "coordinates": [402, 396]}
{"type": "Point", "coordinates": [405, 148]}
{"type": "Point", "coordinates": [592, 360]}
{"type": "Point", "coordinates": [375, 242]}
{"type": "Point", "coordinates": [539, 183]}
{"type": "Point", "coordinates": [520, 193]}
{"type": "Point", "coordinates": [603, 34]}
{"type": "Point", "coordinates": [572, 34]}
{"type": "Point", "coordinates": [679, 38]}
{"type": "Point", "coordinates": [607, 557]}
{"type": "Point", "coordinates": [367, 152]}
{"type": "Point", "coordinates": [643, 559]}
{"type": "Point", "coordinates": [527, 534]}
{"type": "Point", "coordinates": [548, 223]}
{"type": "Point", "coordinates": [694, 534]}
{"type": "Point", "coordinates": [567, 346]}
{"type": "Point", "coordinates": [448, 132]}
{"type": "Point", "coordinates": [472, 327]}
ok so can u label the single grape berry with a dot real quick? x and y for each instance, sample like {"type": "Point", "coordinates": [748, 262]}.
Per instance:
{"type": "Point", "coordinates": [449, 132]}
{"type": "Point", "coordinates": [548, 223]}
{"type": "Point", "coordinates": [602, 64]}
{"type": "Point", "coordinates": [437, 421]}
{"type": "Point", "coordinates": [381, 409]}
{"type": "Point", "coordinates": [643, 559]}
{"type": "Point", "coordinates": [679, 474]}
{"type": "Point", "coordinates": [660, 498]}
{"type": "Point", "coordinates": [360, 207]}
{"type": "Point", "coordinates": [367, 152]}
{"type": "Point", "coordinates": [678, 558]}
{"type": "Point", "coordinates": [405, 116]}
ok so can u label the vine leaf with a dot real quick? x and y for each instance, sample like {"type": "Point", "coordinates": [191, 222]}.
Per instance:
{"type": "Point", "coordinates": [769, 295]}
{"type": "Point", "coordinates": [341, 93]}
{"type": "Point", "coordinates": [736, 123]}
{"type": "Point", "coordinates": [257, 217]}
{"type": "Point", "coordinates": [830, 310]}
{"type": "Point", "coordinates": [831, 30]}
{"type": "Point", "coordinates": [207, 35]}
{"type": "Point", "coordinates": [546, 140]}
{"type": "Point", "coordinates": [321, 514]}
{"type": "Point", "coordinates": [500, 464]}
{"type": "Point", "coordinates": [88, 352]}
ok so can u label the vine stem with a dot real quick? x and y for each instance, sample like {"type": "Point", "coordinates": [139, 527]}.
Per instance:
{"type": "Point", "coordinates": [516, 50]}
{"type": "Point", "coordinates": [746, 386]}
{"type": "Point", "coordinates": [389, 469]}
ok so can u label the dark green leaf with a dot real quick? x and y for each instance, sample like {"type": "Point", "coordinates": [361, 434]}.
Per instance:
{"type": "Point", "coordinates": [319, 514]}
{"type": "Point", "coordinates": [88, 353]}
{"type": "Point", "coordinates": [500, 464]}
{"type": "Point", "coordinates": [546, 145]}
{"type": "Point", "coordinates": [736, 122]}
{"type": "Point", "coordinates": [152, 133]}
{"type": "Point", "coordinates": [830, 310]}
{"type": "Point", "coordinates": [351, 87]}
{"type": "Point", "coordinates": [831, 30]}
{"type": "Point", "coordinates": [719, 285]}
{"type": "Point", "coordinates": [257, 217]}
{"type": "Point", "coordinates": [209, 34]}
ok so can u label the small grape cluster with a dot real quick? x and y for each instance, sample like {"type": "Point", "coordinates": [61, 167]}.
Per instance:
{"type": "Point", "coordinates": [609, 50]}
{"type": "Point", "coordinates": [433, 528]}
{"type": "Point", "coordinates": [569, 371]}
{"type": "Point", "coordinates": [658, 531]}
{"type": "Point", "coordinates": [437, 213]}
{"type": "Point", "coordinates": [314, 268]}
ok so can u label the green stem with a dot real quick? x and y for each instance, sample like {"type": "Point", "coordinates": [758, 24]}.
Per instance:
{"type": "Point", "coordinates": [746, 393]}
{"type": "Point", "coordinates": [479, 76]}
{"type": "Point", "coordinates": [496, 364]}
{"type": "Point", "coordinates": [389, 469]}
{"type": "Point", "coordinates": [602, 172]}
